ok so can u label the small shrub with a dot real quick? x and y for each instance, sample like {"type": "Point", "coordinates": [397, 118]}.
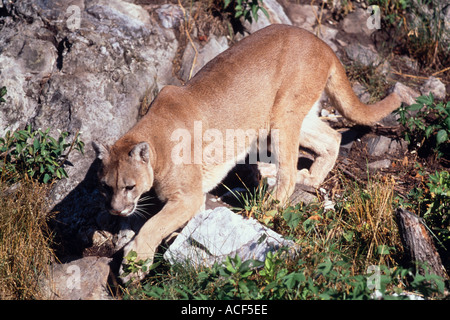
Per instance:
{"type": "Point", "coordinates": [246, 8]}
{"type": "Point", "coordinates": [36, 154]}
{"type": "Point", "coordinates": [427, 125]}
{"type": "Point", "coordinates": [431, 200]}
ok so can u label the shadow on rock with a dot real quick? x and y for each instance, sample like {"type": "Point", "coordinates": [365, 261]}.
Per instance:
{"type": "Point", "coordinates": [83, 227]}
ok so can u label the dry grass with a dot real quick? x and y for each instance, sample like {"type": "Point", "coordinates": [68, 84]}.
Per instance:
{"type": "Point", "coordinates": [362, 227]}
{"type": "Point", "coordinates": [370, 215]}
{"type": "Point", "coordinates": [25, 250]}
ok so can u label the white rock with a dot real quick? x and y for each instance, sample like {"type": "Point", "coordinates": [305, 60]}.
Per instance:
{"type": "Point", "coordinates": [406, 93]}
{"type": "Point", "coordinates": [212, 235]}
{"type": "Point", "coordinates": [435, 86]}
{"type": "Point", "coordinates": [303, 16]}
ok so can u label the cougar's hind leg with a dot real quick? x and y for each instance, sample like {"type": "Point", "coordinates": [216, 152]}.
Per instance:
{"type": "Point", "coordinates": [285, 142]}
{"type": "Point", "coordinates": [324, 141]}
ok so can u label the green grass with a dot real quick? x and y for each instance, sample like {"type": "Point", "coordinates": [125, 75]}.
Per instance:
{"type": "Point", "coordinates": [340, 249]}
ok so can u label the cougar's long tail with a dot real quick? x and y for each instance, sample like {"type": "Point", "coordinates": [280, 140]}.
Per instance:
{"type": "Point", "coordinates": [347, 103]}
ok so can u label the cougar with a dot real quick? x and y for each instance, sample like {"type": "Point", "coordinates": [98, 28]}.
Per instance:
{"type": "Point", "coordinates": [269, 82]}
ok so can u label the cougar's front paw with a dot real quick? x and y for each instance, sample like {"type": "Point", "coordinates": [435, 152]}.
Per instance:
{"type": "Point", "coordinates": [135, 264]}
{"type": "Point", "coordinates": [304, 177]}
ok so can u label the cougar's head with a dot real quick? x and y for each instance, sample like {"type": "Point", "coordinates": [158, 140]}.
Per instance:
{"type": "Point", "coordinates": [124, 176]}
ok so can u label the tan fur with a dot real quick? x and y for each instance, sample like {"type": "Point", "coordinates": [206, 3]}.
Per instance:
{"type": "Point", "coordinates": [269, 80]}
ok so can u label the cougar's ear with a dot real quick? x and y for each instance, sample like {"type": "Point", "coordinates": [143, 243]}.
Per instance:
{"type": "Point", "coordinates": [101, 150]}
{"type": "Point", "coordinates": [141, 152]}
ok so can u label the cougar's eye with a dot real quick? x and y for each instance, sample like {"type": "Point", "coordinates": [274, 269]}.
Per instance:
{"type": "Point", "coordinates": [129, 188]}
{"type": "Point", "coordinates": [107, 189]}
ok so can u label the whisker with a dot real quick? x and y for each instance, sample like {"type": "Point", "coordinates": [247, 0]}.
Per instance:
{"type": "Point", "coordinates": [145, 204]}
{"type": "Point", "coordinates": [146, 198]}
{"type": "Point", "coordinates": [140, 213]}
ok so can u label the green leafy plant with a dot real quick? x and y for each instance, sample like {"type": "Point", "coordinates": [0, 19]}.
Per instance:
{"type": "Point", "coordinates": [3, 92]}
{"type": "Point", "coordinates": [246, 8]}
{"type": "Point", "coordinates": [238, 284]}
{"type": "Point", "coordinates": [427, 124]}
{"type": "Point", "coordinates": [36, 154]}
{"type": "Point", "coordinates": [431, 200]}
{"type": "Point", "coordinates": [274, 279]}
{"type": "Point", "coordinates": [133, 265]}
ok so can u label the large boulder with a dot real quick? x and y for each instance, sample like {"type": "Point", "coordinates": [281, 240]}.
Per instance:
{"type": "Point", "coordinates": [80, 66]}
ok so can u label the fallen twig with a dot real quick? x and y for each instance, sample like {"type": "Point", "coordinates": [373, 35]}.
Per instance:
{"type": "Point", "coordinates": [443, 70]}
{"type": "Point", "coordinates": [408, 75]}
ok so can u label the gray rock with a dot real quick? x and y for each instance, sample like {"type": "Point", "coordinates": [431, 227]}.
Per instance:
{"type": "Point", "coordinates": [302, 194]}
{"type": "Point", "coordinates": [434, 86]}
{"type": "Point", "coordinates": [213, 235]}
{"type": "Point", "coordinates": [81, 67]}
{"type": "Point", "coordinates": [170, 15]}
{"type": "Point", "coordinates": [356, 22]}
{"type": "Point", "coordinates": [361, 92]}
{"type": "Point", "coordinates": [362, 54]}
{"type": "Point", "coordinates": [328, 35]}
{"type": "Point", "coordinates": [83, 279]}
{"type": "Point", "coordinates": [378, 146]}
{"type": "Point", "coordinates": [211, 49]}
{"type": "Point", "coordinates": [384, 68]}
{"type": "Point", "coordinates": [406, 93]}
{"type": "Point", "coordinates": [445, 16]}
{"type": "Point", "coordinates": [276, 15]}
{"type": "Point", "coordinates": [410, 63]}
{"type": "Point", "coordinates": [398, 146]}
{"type": "Point", "coordinates": [380, 164]}
{"type": "Point", "coordinates": [303, 16]}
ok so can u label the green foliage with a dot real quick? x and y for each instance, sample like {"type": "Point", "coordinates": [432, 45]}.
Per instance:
{"type": "Point", "coordinates": [427, 124]}
{"type": "Point", "coordinates": [3, 92]}
{"type": "Point", "coordinates": [36, 154]}
{"type": "Point", "coordinates": [133, 266]}
{"type": "Point", "coordinates": [339, 251]}
{"type": "Point", "coordinates": [418, 27]}
{"type": "Point", "coordinates": [293, 216]}
{"type": "Point", "coordinates": [274, 279]}
{"type": "Point", "coordinates": [246, 8]}
{"type": "Point", "coordinates": [431, 200]}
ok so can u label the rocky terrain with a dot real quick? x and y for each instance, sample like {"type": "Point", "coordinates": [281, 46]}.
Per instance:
{"type": "Point", "coordinates": [93, 66]}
